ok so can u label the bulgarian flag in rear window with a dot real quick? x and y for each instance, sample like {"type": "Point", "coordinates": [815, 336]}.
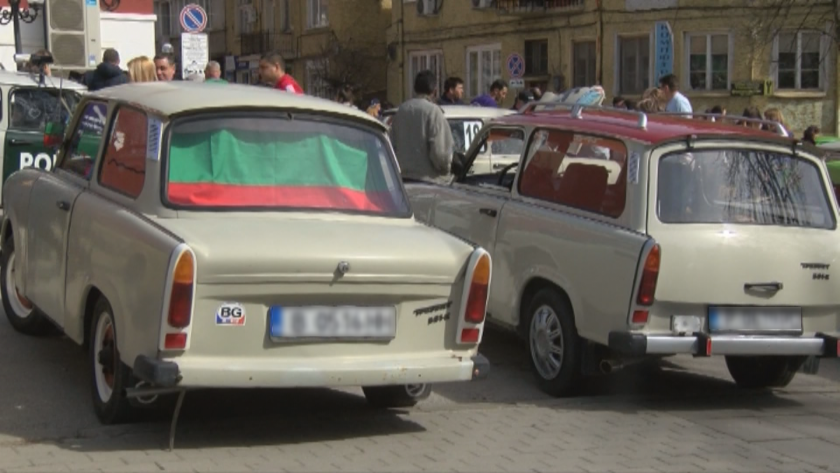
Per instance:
{"type": "Point", "coordinates": [266, 162]}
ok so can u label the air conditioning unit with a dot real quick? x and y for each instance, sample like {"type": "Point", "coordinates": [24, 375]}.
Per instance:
{"type": "Point", "coordinates": [428, 7]}
{"type": "Point", "coordinates": [73, 34]}
{"type": "Point", "coordinates": [483, 4]}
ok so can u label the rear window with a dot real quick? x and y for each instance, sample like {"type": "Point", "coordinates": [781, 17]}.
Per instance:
{"type": "Point", "coordinates": [32, 108]}
{"type": "Point", "coordinates": [279, 163]}
{"type": "Point", "coordinates": [742, 187]}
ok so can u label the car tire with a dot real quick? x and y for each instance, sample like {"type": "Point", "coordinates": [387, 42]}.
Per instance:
{"type": "Point", "coordinates": [553, 343]}
{"type": "Point", "coordinates": [109, 376]}
{"type": "Point", "coordinates": [22, 315]}
{"type": "Point", "coordinates": [759, 372]}
{"type": "Point", "coordinates": [386, 397]}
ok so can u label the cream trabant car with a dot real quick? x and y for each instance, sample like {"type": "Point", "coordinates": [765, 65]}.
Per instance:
{"type": "Point", "coordinates": [622, 238]}
{"type": "Point", "coordinates": [211, 235]}
{"type": "Point", "coordinates": [465, 122]}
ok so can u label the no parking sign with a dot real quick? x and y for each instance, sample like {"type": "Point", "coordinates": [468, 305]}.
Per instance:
{"type": "Point", "coordinates": [193, 18]}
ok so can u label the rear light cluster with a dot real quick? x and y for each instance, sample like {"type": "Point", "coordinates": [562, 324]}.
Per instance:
{"type": "Point", "coordinates": [179, 310]}
{"type": "Point", "coordinates": [647, 285]}
{"type": "Point", "coordinates": [476, 292]}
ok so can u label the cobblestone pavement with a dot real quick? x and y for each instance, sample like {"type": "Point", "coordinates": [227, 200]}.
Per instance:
{"type": "Point", "coordinates": [687, 417]}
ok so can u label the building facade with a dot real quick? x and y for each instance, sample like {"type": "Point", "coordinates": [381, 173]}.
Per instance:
{"type": "Point", "coordinates": [724, 52]}
{"type": "Point", "coordinates": [325, 43]}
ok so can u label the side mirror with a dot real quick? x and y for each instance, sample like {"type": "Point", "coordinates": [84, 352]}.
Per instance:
{"type": "Point", "coordinates": [53, 134]}
{"type": "Point", "coordinates": [459, 163]}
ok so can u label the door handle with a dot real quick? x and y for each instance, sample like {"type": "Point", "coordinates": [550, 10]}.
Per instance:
{"type": "Point", "coordinates": [16, 142]}
{"type": "Point", "coordinates": [488, 212]}
{"type": "Point", "coordinates": [764, 286]}
{"type": "Point", "coordinates": [63, 205]}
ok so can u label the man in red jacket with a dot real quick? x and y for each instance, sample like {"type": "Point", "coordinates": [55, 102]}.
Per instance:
{"type": "Point", "coordinates": [273, 73]}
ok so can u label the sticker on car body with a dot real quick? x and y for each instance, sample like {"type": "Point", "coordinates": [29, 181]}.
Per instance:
{"type": "Point", "coordinates": [633, 168]}
{"type": "Point", "coordinates": [153, 140]}
{"type": "Point", "coordinates": [230, 313]}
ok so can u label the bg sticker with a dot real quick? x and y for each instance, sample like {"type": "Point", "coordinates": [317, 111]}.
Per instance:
{"type": "Point", "coordinates": [633, 168]}
{"type": "Point", "coordinates": [230, 313]}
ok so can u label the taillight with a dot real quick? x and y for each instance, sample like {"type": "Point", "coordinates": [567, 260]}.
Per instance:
{"type": "Point", "coordinates": [650, 273]}
{"type": "Point", "coordinates": [180, 300]}
{"type": "Point", "coordinates": [477, 300]}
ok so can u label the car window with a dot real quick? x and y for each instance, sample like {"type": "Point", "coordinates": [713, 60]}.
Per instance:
{"type": "Point", "coordinates": [464, 131]}
{"type": "Point", "coordinates": [270, 161]}
{"type": "Point", "coordinates": [31, 108]}
{"type": "Point", "coordinates": [503, 142]}
{"type": "Point", "coordinates": [124, 163]}
{"type": "Point", "coordinates": [742, 186]}
{"type": "Point", "coordinates": [577, 170]}
{"type": "Point", "coordinates": [81, 152]}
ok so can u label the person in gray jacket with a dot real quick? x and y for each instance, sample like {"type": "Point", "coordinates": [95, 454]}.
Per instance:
{"type": "Point", "coordinates": [421, 135]}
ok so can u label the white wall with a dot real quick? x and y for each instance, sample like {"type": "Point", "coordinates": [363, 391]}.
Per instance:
{"type": "Point", "coordinates": [130, 34]}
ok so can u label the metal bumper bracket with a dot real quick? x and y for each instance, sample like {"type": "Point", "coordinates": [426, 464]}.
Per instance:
{"type": "Point", "coordinates": [481, 366]}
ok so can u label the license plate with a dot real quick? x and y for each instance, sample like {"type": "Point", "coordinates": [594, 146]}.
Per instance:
{"type": "Point", "coordinates": [755, 319]}
{"type": "Point", "coordinates": [323, 322]}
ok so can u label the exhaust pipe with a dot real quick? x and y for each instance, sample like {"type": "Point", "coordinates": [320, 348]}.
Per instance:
{"type": "Point", "coordinates": [610, 366]}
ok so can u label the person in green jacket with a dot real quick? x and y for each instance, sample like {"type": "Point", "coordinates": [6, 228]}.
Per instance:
{"type": "Point", "coordinates": [213, 73]}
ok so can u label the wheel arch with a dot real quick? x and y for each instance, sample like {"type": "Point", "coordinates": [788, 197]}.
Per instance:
{"type": "Point", "coordinates": [534, 285]}
{"type": "Point", "coordinates": [93, 295]}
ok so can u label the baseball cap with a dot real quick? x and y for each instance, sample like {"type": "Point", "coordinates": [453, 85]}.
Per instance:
{"type": "Point", "coordinates": [525, 96]}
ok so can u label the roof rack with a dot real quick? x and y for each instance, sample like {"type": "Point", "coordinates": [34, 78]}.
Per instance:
{"type": "Point", "coordinates": [780, 129]}
{"type": "Point", "coordinates": [576, 110]}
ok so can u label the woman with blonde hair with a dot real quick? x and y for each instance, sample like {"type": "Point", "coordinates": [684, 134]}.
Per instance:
{"type": "Point", "coordinates": [653, 101]}
{"type": "Point", "coordinates": [141, 69]}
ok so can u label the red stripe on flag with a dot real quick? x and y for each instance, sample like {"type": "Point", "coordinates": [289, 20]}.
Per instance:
{"type": "Point", "coordinates": [308, 197]}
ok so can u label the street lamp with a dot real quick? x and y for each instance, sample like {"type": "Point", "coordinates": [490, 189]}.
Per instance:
{"type": "Point", "coordinates": [15, 14]}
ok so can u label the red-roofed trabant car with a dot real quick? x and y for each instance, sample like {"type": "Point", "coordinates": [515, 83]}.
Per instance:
{"type": "Point", "coordinates": [621, 237]}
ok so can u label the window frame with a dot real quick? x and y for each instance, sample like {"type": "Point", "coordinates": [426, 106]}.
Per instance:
{"type": "Point", "coordinates": [491, 47]}
{"type": "Point", "coordinates": [617, 58]}
{"type": "Point", "coordinates": [594, 62]}
{"type": "Point", "coordinates": [687, 62]}
{"type": "Point", "coordinates": [76, 123]}
{"type": "Point", "coordinates": [112, 122]}
{"type": "Point", "coordinates": [474, 152]}
{"type": "Point", "coordinates": [312, 5]}
{"type": "Point", "coordinates": [528, 53]}
{"type": "Point", "coordinates": [825, 53]}
{"type": "Point", "coordinates": [427, 53]}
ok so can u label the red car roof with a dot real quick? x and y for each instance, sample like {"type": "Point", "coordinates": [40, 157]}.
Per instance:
{"type": "Point", "coordinates": [660, 128]}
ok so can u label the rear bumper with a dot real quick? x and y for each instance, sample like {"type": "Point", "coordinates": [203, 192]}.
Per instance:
{"type": "Point", "coordinates": [638, 344]}
{"type": "Point", "coordinates": [217, 372]}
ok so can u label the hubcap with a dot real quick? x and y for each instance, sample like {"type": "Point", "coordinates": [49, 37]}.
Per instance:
{"type": "Point", "coordinates": [546, 340]}
{"type": "Point", "coordinates": [21, 306]}
{"type": "Point", "coordinates": [414, 390]}
{"type": "Point", "coordinates": [105, 364]}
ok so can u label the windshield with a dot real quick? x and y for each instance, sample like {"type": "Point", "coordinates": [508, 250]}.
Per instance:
{"type": "Point", "coordinates": [275, 162]}
{"type": "Point", "coordinates": [32, 108]}
{"type": "Point", "coordinates": [742, 186]}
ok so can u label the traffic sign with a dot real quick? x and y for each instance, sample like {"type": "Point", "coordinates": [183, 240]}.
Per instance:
{"type": "Point", "coordinates": [517, 83]}
{"type": "Point", "coordinates": [193, 18]}
{"type": "Point", "coordinates": [515, 65]}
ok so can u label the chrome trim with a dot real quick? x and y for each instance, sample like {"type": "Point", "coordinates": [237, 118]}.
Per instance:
{"type": "Point", "coordinates": [665, 345]}
{"type": "Point", "coordinates": [736, 345]}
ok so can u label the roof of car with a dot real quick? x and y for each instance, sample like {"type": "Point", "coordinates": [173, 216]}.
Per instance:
{"type": "Point", "coordinates": [660, 128]}
{"type": "Point", "coordinates": [471, 111]}
{"type": "Point", "coordinates": [25, 78]}
{"type": "Point", "coordinates": [171, 98]}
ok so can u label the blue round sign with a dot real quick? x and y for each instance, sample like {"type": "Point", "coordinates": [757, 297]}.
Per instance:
{"type": "Point", "coordinates": [515, 66]}
{"type": "Point", "coordinates": [193, 18]}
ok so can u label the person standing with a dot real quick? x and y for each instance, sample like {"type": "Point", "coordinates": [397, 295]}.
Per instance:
{"type": "Point", "coordinates": [421, 135]}
{"type": "Point", "coordinates": [810, 135]}
{"type": "Point", "coordinates": [165, 67]}
{"type": "Point", "coordinates": [523, 98]}
{"type": "Point", "coordinates": [676, 102]}
{"type": "Point", "coordinates": [141, 69]}
{"type": "Point", "coordinates": [497, 94]}
{"type": "Point", "coordinates": [453, 92]}
{"type": "Point", "coordinates": [273, 73]}
{"type": "Point", "coordinates": [107, 73]}
{"type": "Point", "coordinates": [213, 72]}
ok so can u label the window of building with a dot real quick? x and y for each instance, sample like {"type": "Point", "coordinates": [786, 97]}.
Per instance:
{"type": "Point", "coordinates": [536, 57]}
{"type": "Point", "coordinates": [124, 165]}
{"type": "Point", "coordinates": [80, 155]}
{"type": "Point", "coordinates": [708, 61]}
{"type": "Point", "coordinates": [316, 83]}
{"type": "Point", "coordinates": [799, 59]}
{"type": "Point", "coordinates": [484, 65]}
{"type": "Point", "coordinates": [316, 13]}
{"type": "Point", "coordinates": [584, 54]}
{"type": "Point", "coordinates": [575, 170]}
{"type": "Point", "coordinates": [425, 60]}
{"type": "Point", "coordinates": [285, 16]}
{"type": "Point", "coordinates": [634, 65]}
{"type": "Point", "coordinates": [162, 25]}
{"type": "Point", "coordinates": [215, 15]}
{"type": "Point", "coordinates": [267, 15]}
{"type": "Point", "coordinates": [246, 16]}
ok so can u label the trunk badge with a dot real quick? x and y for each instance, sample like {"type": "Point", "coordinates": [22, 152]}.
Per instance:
{"type": "Point", "coordinates": [343, 267]}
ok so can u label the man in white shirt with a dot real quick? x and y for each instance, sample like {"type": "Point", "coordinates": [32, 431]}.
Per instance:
{"type": "Point", "coordinates": [677, 102]}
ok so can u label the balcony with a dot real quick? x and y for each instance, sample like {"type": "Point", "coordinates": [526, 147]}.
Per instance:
{"type": "Point", "coordinates": [526, 7]}
{"type": "Point", "coordinates": [265, 41]}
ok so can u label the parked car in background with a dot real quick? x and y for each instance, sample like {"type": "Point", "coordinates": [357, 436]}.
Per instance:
{"type": "Point", "coordinates": [621, 237]}
{"type": "Point", "coordinates": [202, 237]}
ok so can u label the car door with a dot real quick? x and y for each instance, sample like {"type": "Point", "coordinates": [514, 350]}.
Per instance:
{"type": "Point", "coordinates": [30, 108]}
{"type": "Point", "coordinates": [51, 211]}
